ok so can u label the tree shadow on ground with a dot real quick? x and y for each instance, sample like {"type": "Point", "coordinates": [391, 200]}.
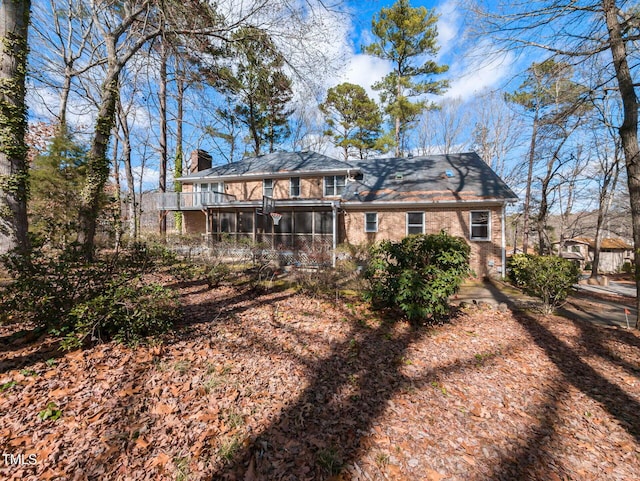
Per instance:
{"type": "Point", "coordinates": [598, 339]}
{"type": "Point", "coordinates": [321, 432]}
{"type": "Point", "coordinates": [575, 372]}
{"type": "Point", "coordinates": [39, 349]}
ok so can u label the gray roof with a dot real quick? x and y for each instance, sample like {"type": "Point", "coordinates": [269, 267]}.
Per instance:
{"type": "Point", "coordinates": [275, 163]}
{"type": "Point", "coordinates": [433, 178]}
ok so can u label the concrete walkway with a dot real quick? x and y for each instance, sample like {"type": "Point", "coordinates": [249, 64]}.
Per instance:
{"type": "Point", "coordinates": [614, 288]}
{"type": "Point", "coordinates": [580, 305]}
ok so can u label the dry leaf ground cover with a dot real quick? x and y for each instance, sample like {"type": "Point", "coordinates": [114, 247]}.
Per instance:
{"type": "Point", "coordinates": [283, 386]}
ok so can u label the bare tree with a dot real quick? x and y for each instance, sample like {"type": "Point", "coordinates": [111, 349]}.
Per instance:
{"type": "Point", "coordinates": [306, 128]}
{"type": "Point", "coordinates": [123, 31]}
{"type": "Point", "coordinates": [497, 132]}
{"type": "Point", "coordinates": [579, 31]}
{"type": "Point", "coordinates": [63, 35]}
{"type": "Point", "coordinates": [607, 149]}
{"type": "Point", "coordinates": [444, 129]}
{"type": "Point", "coordinates": [164, 153]}
{"type": "Point", "coordinates": [123, 134]}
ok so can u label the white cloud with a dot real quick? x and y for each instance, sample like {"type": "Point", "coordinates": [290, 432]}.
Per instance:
{"type": "Point", "coordinates": [449, 25]}
{"type": "Point", "coordinates": [469, 78]}
{"type": "Point", "coordinates": [365, 70]}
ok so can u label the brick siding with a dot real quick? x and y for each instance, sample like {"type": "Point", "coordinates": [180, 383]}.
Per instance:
{"type": "Point", "coordinates": [486, 256]}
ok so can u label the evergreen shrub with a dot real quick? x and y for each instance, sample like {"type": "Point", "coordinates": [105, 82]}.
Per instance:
{"type": "Point", "coordinates": [549, 278]}
{"type": "Point", "coordinates": [418, 274]}
{"type": "Point", "coordinates": [105, 299]}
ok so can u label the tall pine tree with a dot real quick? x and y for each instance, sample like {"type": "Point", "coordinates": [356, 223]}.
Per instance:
{"type": "Point", "coordinates": [254, 76]}
{"type": "Point", "coordinates": [405, 36]}
{"type": "Point", "coordinates": [353, 119]}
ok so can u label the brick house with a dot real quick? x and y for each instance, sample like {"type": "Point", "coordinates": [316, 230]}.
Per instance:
{"type": "Point", "coordinates": [307, 202]}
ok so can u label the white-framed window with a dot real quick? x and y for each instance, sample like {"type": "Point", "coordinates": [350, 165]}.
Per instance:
{"type": "Point", "coordinates": [371, 222]}
{"type": "Point", "coordinates": [480, 225]}
{"type": "Point", "coordinates": [212, 187]}
{"type": "Point", "coordinates": [267, 187]}
{"type": "Point", "coordinates": [294, 187]}
{"type": "Point", "coordinates": [208, 194]}
{"type": "Point", "coordinates": [415, 223]}
{"type": "Point", "coordinates": [334, 185]}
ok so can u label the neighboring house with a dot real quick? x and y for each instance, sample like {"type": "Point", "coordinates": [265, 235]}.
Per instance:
{"type": "Point", "coordinates": [614, 252]}
{"type": "Point", "coordinates": [324, 202]}
{"type": "Point", "coordinates": [576, 250]}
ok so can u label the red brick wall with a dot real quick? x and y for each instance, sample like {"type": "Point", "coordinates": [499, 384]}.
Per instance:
{"type": "Point", "coordinates": [486, 256]}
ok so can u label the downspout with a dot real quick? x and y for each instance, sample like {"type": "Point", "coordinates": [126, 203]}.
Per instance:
{"type": "Point", "coordinates": [334, 208]}
{"type": "Point", "coordinates": [503, 241]}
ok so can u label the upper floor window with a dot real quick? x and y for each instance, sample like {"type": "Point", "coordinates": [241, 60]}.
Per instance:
{"type": "Point", "coordinates": [334, 185]}
{"type": "Point", "coordinates": [415, 223]}
{"type": "Point", "coordinates": [212, 187]}
{"type": "Point", "coordinates": [480, 225]}
{"type": "Point", "coordinates": [208, 194]}
{"type": "Point", "coordinates": [294, 187]}
{"type": "Point", "coordinates": [267, 187]}
{"type": "Point", "coordinates": [371, 222]}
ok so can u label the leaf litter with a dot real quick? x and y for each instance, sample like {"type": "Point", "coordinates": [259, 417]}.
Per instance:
{"type": "Point", "coordinates": [283, 386]}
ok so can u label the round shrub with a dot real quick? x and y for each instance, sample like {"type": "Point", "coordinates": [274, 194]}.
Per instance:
{"type": "Point", "coordinates": [549, 278]}
{"type": "Point", "coordinates": [418, 274]}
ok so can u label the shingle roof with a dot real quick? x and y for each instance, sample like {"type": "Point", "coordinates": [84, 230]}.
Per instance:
{"type": "Point", "coordinates": [275, 163]}
{"type": "Point", "coordinates": [430, 178]}
{"type": "Point", "coordinates": [613, 243]}
{"type": "Point", "coordinates": [605, 243]}
{"type": "Point", "coordinates": [433, 178]}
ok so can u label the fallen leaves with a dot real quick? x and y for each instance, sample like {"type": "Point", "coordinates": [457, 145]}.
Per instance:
{"type": "Point", "coordinates": [279, 386]}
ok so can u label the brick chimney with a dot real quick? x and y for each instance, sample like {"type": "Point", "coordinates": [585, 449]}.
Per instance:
{"type": "Point", "coordinates": [199, 160]}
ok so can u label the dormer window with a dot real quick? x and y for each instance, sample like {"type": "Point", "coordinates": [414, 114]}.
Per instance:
{"type": "Point", "coordinates": [334, 185]}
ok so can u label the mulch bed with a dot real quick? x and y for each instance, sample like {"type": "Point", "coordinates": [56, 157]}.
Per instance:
{"type": "Point", "coordinates": [284, 386]}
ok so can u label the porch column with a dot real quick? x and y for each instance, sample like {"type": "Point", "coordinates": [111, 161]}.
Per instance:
{"type": "Point", "coordinates": [334, 244]}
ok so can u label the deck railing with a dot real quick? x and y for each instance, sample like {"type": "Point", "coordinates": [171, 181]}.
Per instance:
{"type": "Point", "coordinates": [192, 200]}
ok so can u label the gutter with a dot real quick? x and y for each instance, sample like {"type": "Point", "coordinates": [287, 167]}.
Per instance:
{"type": "Point", "coordinates": [404, 204]}
{"type": "Point", "coordinates": [267, 175]}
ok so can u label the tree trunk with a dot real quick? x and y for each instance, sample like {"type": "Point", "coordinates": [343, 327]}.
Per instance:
{"type": "Point", "coordinates": [64, 99]}
{"type": "Point", "coordinates": [118, 195]}
{"type": "Point", "coordinates": [629, 128]}
{"type": "Point", "coordinates": [604, 203]}
{"type": "Point", "coordinates": [162, 181]}
{"type": "Point", "coordinates": [253, 128]}
{"type": "Point", "coordinates": [128, 170]}
{"type": "Point", "coordinates": [541, 218]}
{"type": "Point", "coordinates": [177, 186]}
{"type": "Point", "coordinates": [527, 195]}
{"type": "Point", "coordinates": [97, 162]}
{"type": "Point", "coordinates": [397, 135]}
{"type": "Point", "coordinates": [14, 170]}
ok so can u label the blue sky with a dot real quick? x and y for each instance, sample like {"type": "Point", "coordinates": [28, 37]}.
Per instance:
{"type": "Point", "coordinates": [469, 73]}
{"type": "Point", "coordinates": [469, 70]}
